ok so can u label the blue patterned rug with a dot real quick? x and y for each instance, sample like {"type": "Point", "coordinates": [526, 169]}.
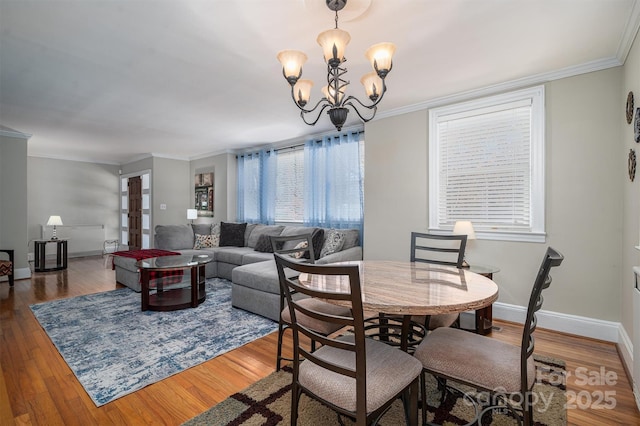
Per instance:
{"type": "Point", "coordinates": [115, 349]}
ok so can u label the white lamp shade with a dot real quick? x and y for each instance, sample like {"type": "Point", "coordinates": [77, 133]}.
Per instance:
{"type": "Point", "coordinates": [54, 221]}
{"type": "Point", "coordinates": [380, 56]}
{"type": "Point", "coordinates": [302, 91]}
{"type": "Point", "coordinates": [292, 61]}
{"type": "Point", "coordinates": [192, 214]}
{"type": "Point", "coordinates": [464, 227]}
{"type": "Point", "coordinates": [334, 43]}
{"type": "Point", "coordinates": [330, 93]}
{"type": "Point", "coordinates": [372, 84]}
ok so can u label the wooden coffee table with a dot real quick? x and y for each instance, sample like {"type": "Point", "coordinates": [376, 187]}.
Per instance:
{"type": "Point", "coordinates": [175, 295]}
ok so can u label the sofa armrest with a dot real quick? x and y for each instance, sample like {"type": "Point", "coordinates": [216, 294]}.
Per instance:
{"type": "Point", "coordinates": [353, 253]}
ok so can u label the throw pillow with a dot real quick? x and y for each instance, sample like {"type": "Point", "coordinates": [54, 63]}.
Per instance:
{"type": "Point", "coordinates": [317, 240]}
{"type": "Point", "coordinates": [206, 241]}
{"type": "Point", "coordinates": [264, 244]}
{"type": "Point", "coordinates": [333, 243]}
{"type": "Point", "coordinates": [301, 245]}
{"type": "Point", "coordinates": [232, 234]}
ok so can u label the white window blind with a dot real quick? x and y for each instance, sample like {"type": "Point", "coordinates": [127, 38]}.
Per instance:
{"type": "Point", "coordinates": [486, 165]}
{"type": "Point", "coordinates": [290, 186]}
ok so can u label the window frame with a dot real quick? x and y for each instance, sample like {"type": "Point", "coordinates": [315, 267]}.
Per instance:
{"type": "Point", "coordinates": [536, 232]}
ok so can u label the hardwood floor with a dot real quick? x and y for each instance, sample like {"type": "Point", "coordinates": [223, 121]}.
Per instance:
{"type": "Point", "coordinates": [38, 388]}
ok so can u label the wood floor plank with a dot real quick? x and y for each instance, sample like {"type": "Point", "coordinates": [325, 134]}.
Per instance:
{"type": "Point", "coordinates": [38, 388]}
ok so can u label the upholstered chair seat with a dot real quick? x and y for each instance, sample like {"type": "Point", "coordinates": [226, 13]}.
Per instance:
{"type": "Point", "coordinates": [474, 359]}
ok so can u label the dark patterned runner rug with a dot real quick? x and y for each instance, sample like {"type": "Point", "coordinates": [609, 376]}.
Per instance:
{"type": "Point", "coordinates": [268, 402]}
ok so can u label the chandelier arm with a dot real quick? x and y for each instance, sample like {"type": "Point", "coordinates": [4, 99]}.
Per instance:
{"type": "Point", "coordinates": [312, 123]}
{"type": "Point", "coordinates": [354, 107]}
{"type": "Point", "coordinates": [373, 105]}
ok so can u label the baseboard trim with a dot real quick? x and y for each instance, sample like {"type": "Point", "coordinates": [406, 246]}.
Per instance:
{"type": "Point", "coordinates": [18, 274]}
{"type": "Point", "coordinates": [566, 323]}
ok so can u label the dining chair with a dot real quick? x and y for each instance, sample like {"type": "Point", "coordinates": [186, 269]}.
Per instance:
{"type": "Point", "coordinates": [356, 376]}
{"type": "Point", "coordinates": [295, 246]}
{"type": "Point", "coordinates": [7, 266]}
{"type": "Point", "coordinates": [505, 371]}
{"type": "Point", "coordinates": [440, 250]}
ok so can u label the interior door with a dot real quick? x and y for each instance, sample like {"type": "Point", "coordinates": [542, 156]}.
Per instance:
{"type": "Point", "coordinates": [134, 215]}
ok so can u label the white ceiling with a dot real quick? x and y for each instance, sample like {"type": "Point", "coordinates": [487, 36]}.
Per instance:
{"type": "Point", "coordinates": [116, 80]}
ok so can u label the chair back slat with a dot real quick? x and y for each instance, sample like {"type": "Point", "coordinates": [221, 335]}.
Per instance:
{"type": "Point", "coordinates": [438, 249]}
{"type": "Point", "coordinates": [552, 258]}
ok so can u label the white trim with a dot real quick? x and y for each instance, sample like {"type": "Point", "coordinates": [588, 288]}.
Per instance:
{"type": "Point", "coordinates": [71, 158]}
{"type": "Point", "coordinates": [10, 133]}
{"type": "Point", "coordinates": [565, 323]}
{"type": "Point", "coordinates": [18, 274]}
{"type": "Point", "coordinates": [630, 31]}
{"type": "Point", "coordinates": [535, 96]}
{"type": "Point", "coordinates": [625, 347]}
{"type": "Point", "coordinates": [598, 65]}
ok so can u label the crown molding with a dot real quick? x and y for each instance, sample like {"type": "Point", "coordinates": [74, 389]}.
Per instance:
{"type": "Point", "coordinates": [10, 133]}
{"type": "Point", "coordinates": [630, 33]}
{"type": "Point", "coordinates": [78, 159]}
{"type": "Point", "coordinates": [520, 83]}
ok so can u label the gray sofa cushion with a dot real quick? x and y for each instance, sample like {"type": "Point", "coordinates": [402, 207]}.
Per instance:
{"type": "Point", "coordinates": [262, 276]}
{"type": "Point", "coordinates": [259, 230]}
{"type": "Point", "coordinates": [201, 228]}
{"type": "Point", "coordinates": [233, 255]}
{"type": "Point", "coordinates": [256, 256]}
{"type": "Point", "coordinates": [174, 237]}
{"type": "Point", "coordinates": [248, 231]}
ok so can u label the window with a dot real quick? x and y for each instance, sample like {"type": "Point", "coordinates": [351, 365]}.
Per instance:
{"type": "Point", "coordinates": [319, 183]}
{"type": "Point", "coordinates": [290, 185]}
{"type": "Point", "coordinates": [486, 165]}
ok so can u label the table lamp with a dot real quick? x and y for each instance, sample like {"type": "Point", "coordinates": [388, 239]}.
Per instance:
{"type": "Point", "coordinates": [54, 221]}
{"type": "Point", "coordinates": [192, 214]}
{"type": "Point", "coordinates": [464, 227]}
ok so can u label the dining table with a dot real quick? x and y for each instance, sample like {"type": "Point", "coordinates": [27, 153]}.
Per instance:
{"type": "Point", "coordinates": [406, 289]}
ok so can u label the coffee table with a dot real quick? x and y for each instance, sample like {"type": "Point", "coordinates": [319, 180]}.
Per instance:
{"type": "Point", "coordinates": [176, 295]}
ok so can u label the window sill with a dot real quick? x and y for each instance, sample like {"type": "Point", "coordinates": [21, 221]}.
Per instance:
{"type": "Point", "coordinates": [527, 237]}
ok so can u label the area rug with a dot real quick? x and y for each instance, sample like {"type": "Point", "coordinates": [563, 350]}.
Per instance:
{"type": "Point", "coordinates": [268, 402]}
{"type": "Point", "coordinates": [114, 348]}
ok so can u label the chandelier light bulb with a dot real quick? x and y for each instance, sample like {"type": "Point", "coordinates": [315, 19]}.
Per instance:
{"type": "Point", "coordinates": [380, 56]}
{"type": "Point", "coordinates": [330, 93]}
{"type": "Point", "coordinates": [334, 43]}
{"type": "Point", "coordinates": [302, 91]}
{"type": "Point", "coordinates": [372, 85]}
{"type": "Point", "coordinates": [292, 61]}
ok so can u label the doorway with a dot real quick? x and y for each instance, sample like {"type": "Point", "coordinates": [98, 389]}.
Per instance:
{"type": "Point", "coordinates": [134, 215]}
{"type": "Point", "coordinates": [135, 210]}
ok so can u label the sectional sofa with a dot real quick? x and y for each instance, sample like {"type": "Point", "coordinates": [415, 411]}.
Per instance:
{"type": "Point", "coordinates": [242, 254]}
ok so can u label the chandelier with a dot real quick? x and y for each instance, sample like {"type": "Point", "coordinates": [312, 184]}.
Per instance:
{"type": "Point", "coordinates": [333, 43]}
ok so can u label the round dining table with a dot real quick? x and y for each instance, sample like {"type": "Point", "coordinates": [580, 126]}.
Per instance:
{"type": "Point", "coordinates": [407, 288]}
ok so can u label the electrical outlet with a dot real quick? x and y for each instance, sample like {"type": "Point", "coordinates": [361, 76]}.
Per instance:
{"type": "Point", "coordinates": [163, 206]}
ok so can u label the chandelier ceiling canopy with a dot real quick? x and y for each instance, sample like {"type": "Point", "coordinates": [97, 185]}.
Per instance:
{"type": "Point", "coordinates": [334, 43]}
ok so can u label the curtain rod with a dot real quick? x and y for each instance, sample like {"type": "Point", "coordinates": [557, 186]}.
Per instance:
{"type": "Point", "coordinates": [359, 132]}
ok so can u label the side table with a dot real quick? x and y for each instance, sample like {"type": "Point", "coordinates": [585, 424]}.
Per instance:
{"type": "Point", "coordinates": [40, 264]}
{"type": "Point", "coordinates": [484, 316]}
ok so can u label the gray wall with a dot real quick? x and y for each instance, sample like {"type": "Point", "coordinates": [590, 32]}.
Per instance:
{"type": "Point", "coordinates": [584, 168]}
{"type": "Point", "coordinates": [170, 186]}
{"type": "Point", "coordinates": [13, 199]}
{"type": "Point", "coordinates": [80, 193]}
{"type": "Point", "coordinates": [630, 219]}
{"type": "Point", "coordinates": [223, 167]}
